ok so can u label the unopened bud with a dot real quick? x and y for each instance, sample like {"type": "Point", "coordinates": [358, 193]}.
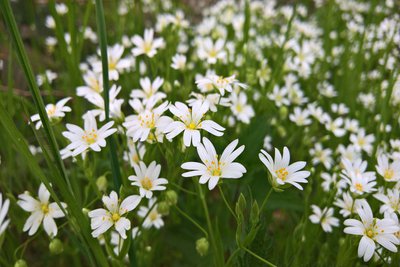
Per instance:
{"type": "Point", "coordinates": [20, 263]}
{"type": "Point", "coordinates": [101, 183]}
{"type": "Point", "coordinates": [202, 246]}
{"type": "Point", "coordinates": [163, 208]}
{"type": "Point", "coordinates": [56, 246]}
{"type": "Point", "coordinates": [171, 197]}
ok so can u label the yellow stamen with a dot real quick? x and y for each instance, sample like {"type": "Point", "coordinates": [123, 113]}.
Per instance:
{"type": "Point", "coordinates": [147, 183]}
{"type": "Point", "coordinates": [282, 173]}
{"type": "Point", "coordinates": [115, 217]}
{"type": "Point", "coordinates": [45, 208]}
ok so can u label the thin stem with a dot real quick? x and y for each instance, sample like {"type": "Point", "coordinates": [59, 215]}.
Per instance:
{"type": "Point", "coordinates": [258, 257]}
{"type": "Point", "coordinates": [266, 199]}
{"type": "Point", "coordinates": [101, 27]}
{"type": "Point", "coordinates": [226, 202]}
{"type": "Point", "coordinates": [232, 256]}
{"type": "Point", "coordinates": [382, 258]}
{"type": "Point", "coordinates": [210, 229]}
{"type": "Point", "coordinates": [187, 216]}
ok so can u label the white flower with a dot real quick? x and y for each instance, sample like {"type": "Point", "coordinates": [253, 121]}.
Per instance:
{"type": "Point", "coordinates": [300, 117]}
{"type": "Point", "coordinates": [104, 219]}
{"type": "Point", "coordinates": [88, 138]}
{"type": "Point", "coordinates": [281, 171]}
{"type": "Point", "coordinates": [335, 126]}
{"type": "Point", "coordinates": [347, 204]}
{"type": "Point", "coordinates": [135, 153]}
{"type": "Point", "coordinates": [178, 62]}
{"type": "Point", "coordinates": [61, 9]}
{"type": "Point", "coordinates": [54, 112]}
{"type": "Point", "coordinates": [324, 217]}
{"type": "Point", "coordinates": [154, 218]}
{"type": "Point", "coordinates": [279, 96]}
{"type": "Point", "coordinates": [3, 212]}
{"type": "Point", "coordinates": [359, 180]}
{"type": "Point", "coordinates": [214, 167]}
{"type": "Point", "coordinates": [220, 83]}
{"type": "Point", "coordinates": [191, 123]}
{"type": "Point", "coordinates": [116, 64]}
{"type": "Point", "coordinates": [114, 104]}
{"type": "Point", "coordinates": [147, 180]}
{"type": "Point", "coordinates": [94, 84]}
{"type": "Point", "coordinates": [321, 155]}
{"type": "Point", "coordinates": [389, 171]}
{"type": "Point", "coordinates": [147, 45]}
{"type": "Point", "coordinates": [211, 100]}
{"type": "Point", "coordinates": [148, 122]}
{"type": "Point", "coordinates": [267, 142]}
{"type": "Point", "coordinates": [41, 211]}
{"type": "Point", "coordinates": [372, 230]}
{"type": "Point", "coordinates": [242, 111]}
{"type": "Point", "coordinates": [211, 51]}
{"type": "Point", "coordinates": [391, 201]}
{"type": "Point", "coordinates": [149, 90]}
{"type": "Point", "coordinates": [361, 141]}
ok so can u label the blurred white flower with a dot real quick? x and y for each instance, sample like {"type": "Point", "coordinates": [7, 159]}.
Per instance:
{"type": "Point", "coordinates": [149, 90]}
{"type": "Point", "coordinates": [389, 171]}
{"type": "Point", "coordinates": [147, 45]}
{"type": "Point", "coordinates": [54, 112]}
{"type": "Point", "coordinates": [3, 212]}
{"type": "Point", "coordinates": [324, 217]}
{"type": "Point", "coordinates": [154, 218]}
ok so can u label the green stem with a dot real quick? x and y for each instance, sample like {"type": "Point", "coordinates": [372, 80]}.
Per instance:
{"type": "Point", "coordinates": [219, 261]}
{"type": "Point", "coordinates": [187, 216]}
{"type": "Point", "coordinates": [258, 257]}
{"type": "Point", "coordinates": [266, 199]}
{"type": "Point", "coordinates": [101, 27]}
{"type": "Point", "coordinates": [226, 202]}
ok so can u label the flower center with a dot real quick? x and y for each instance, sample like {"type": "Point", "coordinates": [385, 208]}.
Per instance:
{"type": "Point", "coordinates": [153, 215]}
{"type": "Point", "coordinates": [388, 174]}
{"type": "Point", "coordinates": [112, 64]}
{"type": "Point", "coordinates": [147, 46]}
{"type": "Point", "coordinates": [90, 137]}
{"type": "Point", "coordinates": [115, 217]}
{"type": "Point", "coordinates": [282, 173]}
{"type": "Point", "coordinates": [45, 208]}
{"type": "Point", "coordinates": [213, 53]}
{"type": "Point", "coordinates": [146, 183]}
{"type": "Point", "coordinates": [51, 111]}
{"type": "Point", "coordinates": [147, 120]}
{"type": "Point", "coordinates": [358, 187]}
{"type": "Point", "coordinates": [192, 126]}
{"type": "Point", "coordinates": [216, 172]}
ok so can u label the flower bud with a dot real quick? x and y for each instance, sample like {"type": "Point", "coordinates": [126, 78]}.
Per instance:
{"type": "Point", "coordinates": [56, 246]}
{"type": "Point", "coordinates": [283, 112]}
{"type": "Point", "coordinates": [163, 208]}
{"type": "Point", "coordinates": [202, 246]}
{"type": "Point", "coordinates": [171, 197]}
{"type": "Point", "coordinates": [101, 183]}
{"type": "Point", "coordinates": [20, 263]}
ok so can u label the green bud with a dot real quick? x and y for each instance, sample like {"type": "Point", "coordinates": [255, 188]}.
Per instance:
{"type": "Point", "coordinates": [101, 183]}
{"type": "Point", "coordinates": [20, 263]}
{"type": "Point", "coordinates": [281, 131]}
{"type": "Point", "coordinates": [254, 213]}
{"type": "Point", "coordinates": [85, 211]}
{"type": "Point", "coordinates": [163, 208]}
{"type": "Point", "coordinates": [56, 246]}
{"type": "Point", "coordinates": [283, 112]}
{"type": "Point", "coordinates": [202, 246]}
{"type": "Point", "coordinates": [167, 87]}
{"type": "Point", "coordinates": [171, 197]}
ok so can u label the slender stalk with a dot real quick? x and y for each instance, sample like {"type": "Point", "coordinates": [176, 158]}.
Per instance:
{"type": "Point", "coordinates": [258, 257]}
{"type": "Point", "coordinates": [219, 261]}
{"type": "Point", "coordinates": [226, 202]}
{"type": "Point", "coordinates": [101, 28]}
{"type": "Point", "coordinates": [187, 216]}
{"type": "Point", "coordinates": [266, 199]}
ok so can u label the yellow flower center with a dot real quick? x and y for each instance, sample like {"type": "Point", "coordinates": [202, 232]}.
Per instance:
{"type": "Point", "coordinates": [90, 137]}
{"type": "Point", "coordinates": [239, 107]}
{"type": "Point", "coordinates": [282, 173]}
{"type": "Point", "coordinates": [388, 174]}
{"type": "Point", "coordinates": [51, 111]}
{"type": "Point", "coordinates": [115, 217]}
{"type": "Point", "coordinates": [135, 158]}
{"type": "Point", "coordinates": [192, 126]}
{"type": "Point", "coordinates": [213, 53]}
{"type": "Point", "coordinates": [147, 46]}
{"type": "Point", "coordinates": [358, 187]}
{"type": "Point", "coordinates": [216, 172]}
{"type": "Point", "coordinates": [147, 183]}
{"type": "Point", "coordinates": [147, 120]}
{"type": "Point", "coordinates": [370, 233]}
{"type": "Point", "coordinates": [112, 64]}
{"type": "Point", "coordinates": [45, 208]}
{"type": "Point", "coordinates": [153, 216]}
